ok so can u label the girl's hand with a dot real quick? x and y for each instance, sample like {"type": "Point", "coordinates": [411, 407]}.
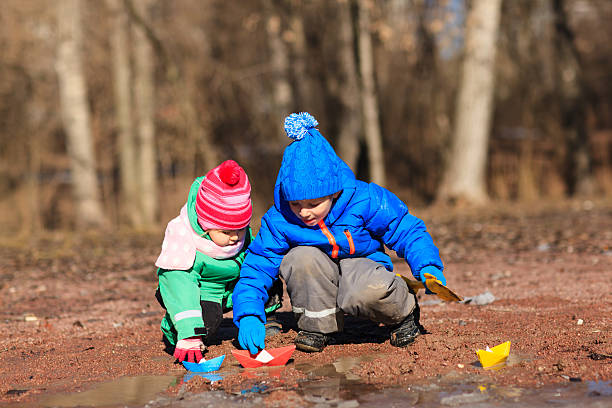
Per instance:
{"type": "Point", "coordinates": [189, 349]}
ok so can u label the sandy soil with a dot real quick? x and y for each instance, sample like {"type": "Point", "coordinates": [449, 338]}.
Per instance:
{"type": "Point", "coordinates": [79, 309]}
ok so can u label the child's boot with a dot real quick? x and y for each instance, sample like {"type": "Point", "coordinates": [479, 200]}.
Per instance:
{"type": "Point", "coordinates": [406, 332]}
{"type": "Point", "coordinates": [311, 342]}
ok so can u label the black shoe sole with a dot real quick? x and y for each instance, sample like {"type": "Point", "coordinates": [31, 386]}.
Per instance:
{"type": "Point", "coordinates": [308, 348]}
{"type": "Point", "coordinates": [406, 333]}
{"type": "Point", "coordinates": [305, 341]}
{"type": "Point", "coordinates": [404, 342]}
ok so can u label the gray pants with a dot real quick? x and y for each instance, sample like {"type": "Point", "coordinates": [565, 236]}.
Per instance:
{"type": "Point", "coordinates": [321, 291]}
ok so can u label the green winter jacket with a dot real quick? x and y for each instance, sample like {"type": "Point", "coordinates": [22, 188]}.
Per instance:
{"type": "Point", "coordinates": [208, 279]}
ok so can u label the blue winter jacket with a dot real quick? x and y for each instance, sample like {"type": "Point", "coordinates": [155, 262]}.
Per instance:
{"type": "Point", "coordinates": [363, 219]}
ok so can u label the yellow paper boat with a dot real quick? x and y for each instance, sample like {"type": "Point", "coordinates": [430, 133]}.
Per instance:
{"type": "Point", "coordinates": [433, 285]}
{"type": "Point", "coordinates": [494, 356]}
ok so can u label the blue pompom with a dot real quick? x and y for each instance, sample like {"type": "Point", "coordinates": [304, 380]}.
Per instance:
{"type": "Point", "coordinates": [298, 124]}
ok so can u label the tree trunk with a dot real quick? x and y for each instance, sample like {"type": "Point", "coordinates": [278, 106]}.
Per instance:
{"type": "Point", "coordinates": [282, 94]}
{"type": "Point", "coordinates": [572, 92]}
{"type": "Point", "coordinates": [33, 224]}
{"type": "Point", "coordinates": [349, 135]}
{"type": "Point", "coordinates": [122, 75]}
{"type": "Point", "coordinates": [464, 178]}
{"type": "Point", "coordinates": [75, 116]}
{"type": "Point", "coordinates": [369, 102]}
{"type": "Point", "coordinates": [303, 89]}
{"type": "Point", "coordinates": [197, 126]}
{"type": "Point", "coordinates": [144, 98]}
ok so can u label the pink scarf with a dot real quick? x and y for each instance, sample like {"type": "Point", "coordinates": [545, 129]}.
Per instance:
{"type": "Point", "coordinates": [181, 242]}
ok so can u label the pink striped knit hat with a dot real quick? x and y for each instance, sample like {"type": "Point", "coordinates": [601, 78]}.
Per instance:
{"type": "Point", "coordinates": [224, 198]}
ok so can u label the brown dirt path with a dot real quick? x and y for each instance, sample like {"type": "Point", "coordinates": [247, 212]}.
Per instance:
{"type": "Point", "coordinates": [77, 310]}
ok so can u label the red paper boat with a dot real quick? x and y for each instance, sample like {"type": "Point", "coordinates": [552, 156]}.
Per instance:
{"type": "Point", "coordinates": [281, 356]}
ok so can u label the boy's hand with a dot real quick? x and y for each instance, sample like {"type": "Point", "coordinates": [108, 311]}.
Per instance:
{"type": "Point", "coordinates": [189, 349]}
{"type": "Point", "coordinates": [251, 334]}
{"type": "Point", "coordinates": [432, 270]}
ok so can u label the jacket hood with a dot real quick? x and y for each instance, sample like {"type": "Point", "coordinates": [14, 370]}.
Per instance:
{"type": "Point", "coordinates": [191, 207]}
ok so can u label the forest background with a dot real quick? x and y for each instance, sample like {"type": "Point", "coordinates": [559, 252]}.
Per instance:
{"type": "Point", "coordinates": [109, 109]}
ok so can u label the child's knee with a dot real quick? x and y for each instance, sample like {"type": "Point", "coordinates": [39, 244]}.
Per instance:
{"type": "Point", "coordinates": [301, 255]}
{"type": "Point", "coordinates": [304, 263]}
{"type": "Point", "coordinates": [364, 295]}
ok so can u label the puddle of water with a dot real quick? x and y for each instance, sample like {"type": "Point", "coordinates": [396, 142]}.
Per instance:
{"type": "Point", "coordinates": [339, 368]}
{"type": "Point", "coordinates": [123, 391]}
{"type": "Point", "coordinates": [212, 377]}
{"type": "Point", "coordinates": [600, 388]}
{"type": "Point", "coordinates": [585, 395]}
{"type": "Point", "coordinates": [572, 394]}
{"type": "Point", "coordinates": [335, 384]}
{"type": "Point", "coordinates": [344, 365]}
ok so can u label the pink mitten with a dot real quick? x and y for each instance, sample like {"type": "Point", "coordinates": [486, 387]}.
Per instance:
{"type": "Point", "coordinates": [189, 349]}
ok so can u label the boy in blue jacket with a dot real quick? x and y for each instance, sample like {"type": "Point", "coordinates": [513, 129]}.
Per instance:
{"type": "Point", "coordinates": [325, 236]}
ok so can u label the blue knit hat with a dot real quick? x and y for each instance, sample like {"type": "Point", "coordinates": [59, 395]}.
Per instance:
{"type": "Point", "coordinates": [310, 168]}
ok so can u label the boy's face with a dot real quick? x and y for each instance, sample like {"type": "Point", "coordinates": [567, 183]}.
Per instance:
{"type": "Point", "coordinates": [310, 212]}
{"type": "Point", "coordinates": [225, 238]}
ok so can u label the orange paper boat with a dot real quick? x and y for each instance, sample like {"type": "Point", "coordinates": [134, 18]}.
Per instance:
{"type": "Point", "coordinates": [280, 357]}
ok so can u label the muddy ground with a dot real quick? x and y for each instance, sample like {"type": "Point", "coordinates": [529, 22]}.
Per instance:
{"type": "Point", "coordinates": [79, 309]}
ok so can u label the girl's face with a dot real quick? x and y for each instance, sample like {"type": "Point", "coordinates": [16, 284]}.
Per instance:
{"type": "Point", "coordinates": [225, 238]}
{"type": "Point", "coordinates": [310, 212]}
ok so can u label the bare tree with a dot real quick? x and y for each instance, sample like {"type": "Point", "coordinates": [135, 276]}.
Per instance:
{"type": "Point", "coordinates": [574, 103]}
{"type": "Point", "coordinates": [75, 115]}
{"type": "Point", "coordinates": [349, 135]}
{"type": "Point", "coordinates": [369, 102]}
{"type": "Point", "coordinates": [122, 85]}
{"type": "Point", "coordinates": [297, 36]}
{"type": "Point", "coordinates": [213, 63]}
{"type": "Point", "coordinates": [144, 98]}
{"type": "Point", "coordinates": [282, 94]}
{"type": "Point", "coordinates": [180, 79]}
{"type": "Point", "coordinates": [464, 177]}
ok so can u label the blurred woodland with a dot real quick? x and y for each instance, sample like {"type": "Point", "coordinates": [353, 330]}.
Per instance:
{"type": "Point", "coordinates": [109, 109]}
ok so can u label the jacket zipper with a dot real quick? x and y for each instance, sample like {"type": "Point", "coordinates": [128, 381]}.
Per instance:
{"type": "Point", "coordinates": [330, 238]}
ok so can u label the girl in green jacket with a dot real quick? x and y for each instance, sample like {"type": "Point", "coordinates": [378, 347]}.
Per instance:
{"type": "Point", "coordinates": [200, 260]}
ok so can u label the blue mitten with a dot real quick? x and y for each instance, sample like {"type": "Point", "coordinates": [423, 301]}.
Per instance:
{"type": "Point", "coordinates": [251, 334]}
{"type": "Point", "coordinates": [432, 270]}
